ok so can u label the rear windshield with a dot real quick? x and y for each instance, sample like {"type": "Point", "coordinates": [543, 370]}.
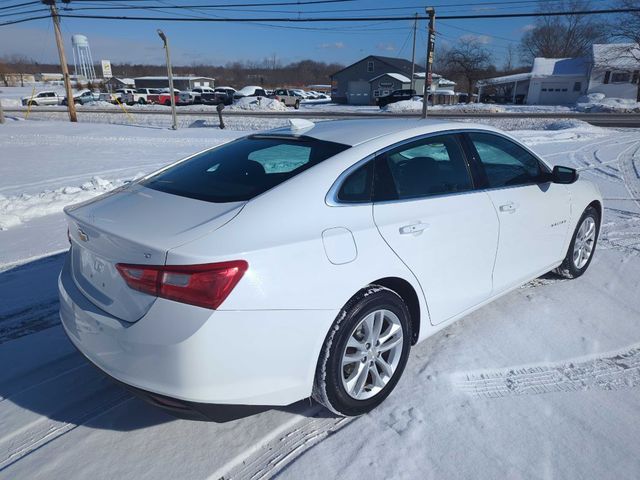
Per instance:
{"type": "Point", "coordinates": [243, 169]}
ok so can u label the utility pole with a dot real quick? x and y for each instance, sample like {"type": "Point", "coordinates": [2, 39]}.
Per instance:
{"type": "Point", "coordinates": [73, 116]}
{"type": "Point", "coordinates": [161, 34]}
{"type": "Point", "coordinates": [431, 43]}
{"type": "Point", "coordinates": [1, 113]}
{"type": "Point", "coordinates": [413, 54]}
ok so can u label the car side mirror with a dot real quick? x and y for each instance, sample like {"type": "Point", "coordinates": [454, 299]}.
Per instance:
{"type": "Point", "coordinates": [564, 175]}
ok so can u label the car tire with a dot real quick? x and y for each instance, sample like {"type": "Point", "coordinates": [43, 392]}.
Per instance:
{"type": "Point", "coordinates": [167, 103]}
{"type": "Point", "coordinates": [582, 246]}
{"type": "Point", "coordinates": [33, 104]}
{"type": "Point", "coordinates": [297, 106]}
{"type": "Point", "coordinates": [351, 387]}
{"type": "Point", "coordinates": [142, 101]}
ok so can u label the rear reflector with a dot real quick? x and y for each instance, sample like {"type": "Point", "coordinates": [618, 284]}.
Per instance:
{"type": "Point", "coordinates": [206, 285]}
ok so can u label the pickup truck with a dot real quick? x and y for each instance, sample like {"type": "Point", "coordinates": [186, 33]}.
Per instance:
{"type": "Point", "coordinates": [196, 93]}
{"type": "Point", "coordinates": [288, 97]}
{"type": "Point", "coordinates": [216, 96]}
{"type": "Point", "coordinates": [146, 95]}
{"type": "Point", "coordinates": [43, 98]}
{"type": "Point", "coordinates": [124, 95]}
{"type": "Point", "coordinates": [83, 97]}
{"type": "Point", "coordinates": [181, 98]}
{"type": "Point", "coordinates": [396, 96]}
{"type": "Point", "coordinates": [250, 91]}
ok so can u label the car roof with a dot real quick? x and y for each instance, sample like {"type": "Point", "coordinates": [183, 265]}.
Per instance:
{"type": "Point", "coordinates": [355, 132]}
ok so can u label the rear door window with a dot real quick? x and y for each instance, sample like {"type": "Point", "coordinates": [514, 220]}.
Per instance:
{"type": "Point", "coordinates": [243, 169]}
{"type": "Point", "coordinates": [432, 166]}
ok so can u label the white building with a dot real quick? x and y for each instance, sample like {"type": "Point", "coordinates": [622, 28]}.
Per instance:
{"type": "Point", "coordinates": [615, 71]}
{"type": "Point", "coordinates": [553, 81]}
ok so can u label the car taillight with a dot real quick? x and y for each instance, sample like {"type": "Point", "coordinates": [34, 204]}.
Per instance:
{"type": "Point", "coordinates": [206, 285]}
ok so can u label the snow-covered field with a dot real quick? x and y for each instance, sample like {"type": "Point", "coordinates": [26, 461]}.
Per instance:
{"type": "Point", "coordinates": [543, 383]}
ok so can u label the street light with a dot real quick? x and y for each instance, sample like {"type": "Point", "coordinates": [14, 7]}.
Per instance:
{"type": "Point", "coordinates": [170, 75]}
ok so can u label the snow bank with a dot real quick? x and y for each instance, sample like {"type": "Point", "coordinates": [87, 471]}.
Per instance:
{"type": "Point", "coordinates": [258, 103]}
{"type": "Point", "coordinates": [591, 98]}
{"type": "Point", "coordinates": [547, 131]}
{"type": "Point", "coordinates": [415, 105]}
{"type": "Point", "coordinates": [471, 108]}
{"type": "Point", "coordinates": [20, 208]}
{"type": "Point", "coordinates": [612, 105]}
{"type": "Point", "coordinates": [10, 102]}
{"type": "Point", "coordinates": [404, 106]}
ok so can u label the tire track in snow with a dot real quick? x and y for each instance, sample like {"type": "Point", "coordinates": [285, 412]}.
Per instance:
{"type": "Point", "coordinates": [36, 416]}
{"type": "Point", "coordinates": [613, 371]}
{"type": "Point", "coordinates": [630, 169]}
{"type": "Point", "coordinates": [285, 448]}
{"type": "Point", "coordinates": [29, 320]}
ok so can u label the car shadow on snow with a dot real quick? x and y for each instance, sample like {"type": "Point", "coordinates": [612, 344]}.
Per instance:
{"type": "Point", "coordinates": [49, 377]}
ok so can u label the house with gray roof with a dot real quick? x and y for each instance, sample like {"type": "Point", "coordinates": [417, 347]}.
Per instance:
{"type": "Point", "coordinates": [353, 84]}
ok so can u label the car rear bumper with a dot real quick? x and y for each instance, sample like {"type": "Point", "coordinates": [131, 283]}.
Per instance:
{"type": "Point", "coordinates": [196, 355]}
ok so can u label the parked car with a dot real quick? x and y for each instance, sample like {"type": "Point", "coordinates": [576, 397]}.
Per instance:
{"type": "Point", "coordinates": [250, 91]}
{"type": "Point", "coordinates": [83, 97]}
{"type": "Point", "coordinates": [320, 95]}
{"type": "Point", "coordinates": [304, 96]}
{"type": "Point", "coordinates": [314, 257]}
{"type": "Point", "coordinates": [181, 98]}
{"type": "Point", "coordinates": [287, 97]}
{"type": "Point", "coordinates": [395, 96]}
{"type": "Point", "coordinates": [43, 98]}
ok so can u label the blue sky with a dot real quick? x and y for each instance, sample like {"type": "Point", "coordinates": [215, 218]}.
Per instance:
{"type": "Point", "coordinates": [220, 43]}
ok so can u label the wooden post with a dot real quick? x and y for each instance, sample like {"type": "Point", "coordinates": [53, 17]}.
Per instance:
{"type": "Point", "coordinates": [413, 54]}
{"type": "Point", "coordinates": [431, 40]}
{"type": "Point", "coordinates": [71, 106]}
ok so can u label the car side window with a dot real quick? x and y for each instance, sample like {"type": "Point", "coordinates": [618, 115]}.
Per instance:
{"type": "Point", "coordinates": [432, 166]}
{"type": "Point", "coordinates": [357, 186]}
{"type": "Point", "coordinates": [506, 163]}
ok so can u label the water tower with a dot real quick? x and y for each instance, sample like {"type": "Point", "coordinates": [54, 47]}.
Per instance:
{"type": "Point", "coordinates": [82, 60]}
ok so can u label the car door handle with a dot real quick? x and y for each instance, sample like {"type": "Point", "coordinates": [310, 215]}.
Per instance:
{"type": "Point", "coordinates": [508, 207]}
{"type": "Point", "coordinates": [413, 228]}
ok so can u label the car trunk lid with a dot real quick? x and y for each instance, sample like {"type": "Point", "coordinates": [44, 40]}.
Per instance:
{"type": "Point", "coordinates": [134, 225]}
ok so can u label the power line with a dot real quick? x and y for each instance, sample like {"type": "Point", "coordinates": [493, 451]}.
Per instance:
{"type": "Point", "coordinates": [38, 10]}
{"type": "Point", "coordinates": [354, 19]}
{"type": "Point", "coordinates": [503, 6]}
{"type": "Point", "coordinates": [278, 4]}
{"type": "Point", "coordinates": [22, 20]}
{"type": "Point", "coordinates": [332, 19]}
{"type": "Point", "coordinates": [8, 7]}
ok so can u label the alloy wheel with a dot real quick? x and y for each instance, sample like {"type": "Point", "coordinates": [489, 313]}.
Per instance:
{"type": "Point", "coordinates": [584, 242]}
{"type": "Point", "coordinates": [372, 354]}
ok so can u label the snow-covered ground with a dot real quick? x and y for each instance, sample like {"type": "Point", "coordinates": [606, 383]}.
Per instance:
{"type": "Point", "coordinates": [542, 383]}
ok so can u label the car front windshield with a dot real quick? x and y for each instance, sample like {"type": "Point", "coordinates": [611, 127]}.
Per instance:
{"type": "Point", "coordinates": [243, 169]}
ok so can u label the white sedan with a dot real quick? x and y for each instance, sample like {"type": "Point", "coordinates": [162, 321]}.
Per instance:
{"type": "Point", "coordinates": [306, 261]}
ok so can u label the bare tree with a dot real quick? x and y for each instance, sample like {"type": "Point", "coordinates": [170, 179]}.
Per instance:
{"type": "Point", "coordinates": [564, 36]}
{"type": "Point", "coordinates": [508, 60]}
{"type": "Point", "coordinates": [468, 61]}
{"type": "Point", "coordinates": [625, 57]}
{"type": "Point", "coordinates": [4, 70]}
{"type": "Point", "coordinates": [21, 64]}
